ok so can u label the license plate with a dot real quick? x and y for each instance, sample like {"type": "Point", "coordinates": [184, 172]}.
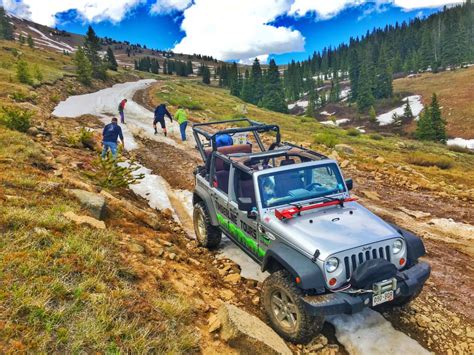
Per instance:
{"type": "Point", "coordinates": [382, 298]}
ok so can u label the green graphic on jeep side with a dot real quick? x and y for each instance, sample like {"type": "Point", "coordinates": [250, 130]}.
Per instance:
{"type": "Point", "coordinates": [240, 235]}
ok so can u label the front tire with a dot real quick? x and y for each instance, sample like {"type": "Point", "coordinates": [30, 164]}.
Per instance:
{"type": "Point", "coordinates": [207, 235]}
{"type": "Point", "coordinates": [284, 305]}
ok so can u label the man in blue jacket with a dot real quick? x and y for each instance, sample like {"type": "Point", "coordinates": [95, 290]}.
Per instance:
{"type": "Point", "coordinates": [160, 113]}
{"type": "Point", "coordinates": [110, 134]}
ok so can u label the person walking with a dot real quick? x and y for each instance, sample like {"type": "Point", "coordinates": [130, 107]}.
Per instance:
{"type": "Point", "coordinates": [110, 134]}
{"type": "Point", "coordinates": [182, 119]}
{"type": "Point", "coordinates": [121, 107]}
{"type": "Point", "coordinates": [160, 113]}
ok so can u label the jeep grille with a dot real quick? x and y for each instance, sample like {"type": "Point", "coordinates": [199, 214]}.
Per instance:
{"type": "Point", "coordinates": [351, 262]}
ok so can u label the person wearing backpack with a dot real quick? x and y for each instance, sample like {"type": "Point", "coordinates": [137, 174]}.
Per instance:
{"type": "Point", "coordinates": [121, 107]}
{"type": "Point", "coordinates": [160, 112]}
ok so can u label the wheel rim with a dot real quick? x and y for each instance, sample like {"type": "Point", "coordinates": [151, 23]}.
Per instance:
{"type": "Point", "coordinates": [200, 225]}
{"type": "Point", "coordinates": [284, 310]}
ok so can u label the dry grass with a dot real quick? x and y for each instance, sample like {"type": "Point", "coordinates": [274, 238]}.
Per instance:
{"type": "Point", "coordinates": [455, 90]}
{"type": "Point", "coordinates": [423, 159]}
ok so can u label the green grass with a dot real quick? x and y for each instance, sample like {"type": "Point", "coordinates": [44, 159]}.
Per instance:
{"type": "Point", "coordinates": [423, 159]}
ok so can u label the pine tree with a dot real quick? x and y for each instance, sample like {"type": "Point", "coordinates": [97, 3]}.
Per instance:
{"type": "Point", "coordinates": [407, 112]}
{"type": "Point", "coordinates": [30, 41]}
{"type": "Point", "coordinates": [23, 72]}
{"type": "Point", "coordinates": [384, 78]}
{"type": "Point", "coordinates": [189, 67]}
{"type": "Point", "coordinates": [6, 29]}
{"type": "Point", "coordinates": [206, 74]}
{"type": "Point", "coordinates": [365, 99]}
{"type": "Point", "coordinates": [37, 73]}
{"type": "Point", "coordinates": [256, 82]}
{"type": "Point", "coordinates": [438, 123]}
{"type": "Point", "coordinates": [273, 97]}
{"type": "Point", "coordinates": [372, 115]}
{"type": "Point", "coordinates": [312, 98]}
{"type": "Point", "coordinates": [21, 39]}
{"type": "Point", "coordinates": [424, 126]}
{"type": "Point", "coordinates": [110, 58]}
{"type": "Point", "coordinates": [84, 67]}
{"type": "Point", "coordinates": [92, 47]}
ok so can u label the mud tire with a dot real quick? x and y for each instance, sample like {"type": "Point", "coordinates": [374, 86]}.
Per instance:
{"type": "Point", "coordinates": [306, 327]}
{"type": "Point", "coordinates": [207, 235]}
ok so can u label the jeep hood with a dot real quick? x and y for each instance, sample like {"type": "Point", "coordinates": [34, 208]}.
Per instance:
{"type": "Point", "coordinates": [332, 229]}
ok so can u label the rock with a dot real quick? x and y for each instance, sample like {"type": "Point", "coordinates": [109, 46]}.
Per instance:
{"type": "Point", "coordinates": [470, 334]}
{"type": "Point", "coordinates": [84, 220]}
{"type": "Point", "coordinates": [422, 320]}
{"type": "Point", "coordinates": [345, 148]}
{"type": "Point", "coordinates": [78, 184]}
{"type": "Point", "coordinates": [415, 214]}
{"type": "Point", "coordinates": [214, 323]}
{"type": "Point", "coordinates": [380, 160]}
{"type": "Point", "coordinates": [95, 203]}
{"type": "Point", "coordinates": [227, 294]}
{"type": "Point", "coordinates": [136, 248]}
{"type": "Point", "coordinates": [33, 131]}
{"type": "Point", "coordinates": [373, 195]}
{"type": "Point", "coordinates": [233, 278]}
{"type": "Point", "coordinates": [194, 262]}
{"type": "Point", "coordinates": [256, 300]}
{"type": "Point", "coordinates": [334, 155]}
{"type": "Point", "coordinates": [345, 164]}
{"type": "Point", "coordinates": [171, 256]}
{"type": "Point", "coordinates": [247, 333]}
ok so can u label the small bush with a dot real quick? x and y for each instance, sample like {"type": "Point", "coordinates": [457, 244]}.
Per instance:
{"type": "Point", "coordinates": [459, 149]}
{"type": "Point", "coordinates": [22, 97]}
{"type": "Point", "coordinates": [353, 132]}
{"type": "Point", "coordinates": [376, 137]}
{"type": "Point", "coordinates": [422, 159]}
{"type": "Point", "coordinates": [23, 72]}
{"type": "Point", "coordinates": [54, 98]}
{"type": "Point", "coordinates": [86, 137]}
{"type": "Point", "coordinates": [15, 118]}
{"type": "Point", "coordinates": [110, 174]}
{"type": "Point", "coordinates": [329, 140]}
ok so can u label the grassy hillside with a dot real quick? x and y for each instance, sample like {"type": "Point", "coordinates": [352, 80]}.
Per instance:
{"type": "Point", "coordinates": [212, 103]}
{"type": "Point", "coordinates": [455, 91]}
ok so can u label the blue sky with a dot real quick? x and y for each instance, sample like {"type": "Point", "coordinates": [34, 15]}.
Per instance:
{"type": "Point", "coordinates": [227, 29]}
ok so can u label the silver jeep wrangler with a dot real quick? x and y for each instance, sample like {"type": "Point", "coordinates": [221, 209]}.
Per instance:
{"type": "Point", "coordinates": [290, 209]}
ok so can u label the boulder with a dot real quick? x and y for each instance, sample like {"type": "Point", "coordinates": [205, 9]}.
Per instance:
{"type": "Point", "coordinates": [345, 148]}
{"type": "Point", "coordinates": [246, 332]}
{"type": "Point", "coordinates": [345, 164]}
{"type": "Point", "coordinates": [94, 203]}
{"type": "Point", "coordinates": [84, 220]}
{"type": "Point", "coordinates": [380, 160]}
{"type": "Point", "coordinates": [33, 131]}
{"type": "Point", "coordinates": [233, 278]}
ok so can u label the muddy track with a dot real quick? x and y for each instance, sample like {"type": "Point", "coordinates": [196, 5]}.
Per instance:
{"type": "Point", "coordinates": [446, 299]}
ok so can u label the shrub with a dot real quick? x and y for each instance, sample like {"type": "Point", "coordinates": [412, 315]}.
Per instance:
{"type": "Point", "coordinates": [23, 72]}
{"type": "Point", "coordinates": [37, 73]}
{"type": "Point", "coordinates": [376, 137]}
{"type": "Point", "coordinates": [329, 140]}
{"type": "Point", "coordinates": [460, 149]}
{"type": "Point", "coordinates": [86, 137]}
{"type": "Point", "coordinates": [22, 97]}
{"type": "Point", "coordinates": [54, 98]}
{"type": "Point", "coordinates": [422, 159]}
{"type": "Point", "coordinates": [15, 118]}
{"type": "Point", "coordinates": [353, 132]}
{"type": "Point", "coordinates": [111, 174]}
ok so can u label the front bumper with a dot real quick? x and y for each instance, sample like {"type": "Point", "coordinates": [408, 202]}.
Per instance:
{"type": "Point", "coordinates": [409, 282]}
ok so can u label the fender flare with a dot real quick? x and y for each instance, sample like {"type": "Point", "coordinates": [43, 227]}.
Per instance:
{"type": "Point", "coordinates": [415, 246]}
{"type": "Point", "coordinates": [199, 196]}
{"type": "Point", "coordinates": [297, 265]}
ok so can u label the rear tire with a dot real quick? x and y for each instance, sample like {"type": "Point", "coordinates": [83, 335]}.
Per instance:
{"type": "Point", "coordinates": [284, 305]}
{"type": "Point", "coordinates": [207, 235]}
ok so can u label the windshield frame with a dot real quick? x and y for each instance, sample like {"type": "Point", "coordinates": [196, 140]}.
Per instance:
{"type": "Point", "coordinates": [322, 163]}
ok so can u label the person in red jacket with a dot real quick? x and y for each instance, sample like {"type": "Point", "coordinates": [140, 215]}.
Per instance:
{"type": "Point", "coordinates": [121, 107]}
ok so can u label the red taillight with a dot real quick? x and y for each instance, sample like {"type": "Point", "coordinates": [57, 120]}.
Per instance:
{"type": "Point", "coordinates": [298, 280]}
{"type": "Point", "coordinates": [332, 282]}
{"type": "Point", "coordinates": [402, 261]}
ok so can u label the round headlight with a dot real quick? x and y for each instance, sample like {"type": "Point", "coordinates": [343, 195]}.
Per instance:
{"type": "Point", "coordinates": [397, 246]}
{"type": "Point", "coordinates": [332, 264]}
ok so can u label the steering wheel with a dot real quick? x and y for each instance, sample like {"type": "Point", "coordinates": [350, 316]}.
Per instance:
{"type": "Point", "coordinates": [313, 185]}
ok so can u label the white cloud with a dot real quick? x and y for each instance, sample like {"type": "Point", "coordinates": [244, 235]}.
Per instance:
{"type": "Point", "coordinates": [44, 11]}
{"type": "Point", "coordinates": [230, 29]}
{"type": "Point", "coordinates": [420, 4]}
{"type": "Point", "coordinates": [169, 6]}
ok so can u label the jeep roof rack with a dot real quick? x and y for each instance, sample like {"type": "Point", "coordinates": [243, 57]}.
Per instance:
{"type": "Point", "coordinates": [253, 126]}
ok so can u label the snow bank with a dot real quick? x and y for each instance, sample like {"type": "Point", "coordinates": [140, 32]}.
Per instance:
{"type": "Point", "coordinates": [51, 42]}
{"type": "Point", "coordinates": [368, 332]}
{"type": "Point", "coordinates": [416, 108]}
{"type": "Point", "coordinates": [465, 143]}
{"type": "Point", "coordinates": [335, 123]}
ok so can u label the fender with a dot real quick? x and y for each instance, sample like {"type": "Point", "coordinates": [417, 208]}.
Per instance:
{"type": "Point", "coordinates": [297, 264]}
{"type": "Point", "coordinates": [415, 246]}
{"type": "Point", "coordinates": [199, 194]}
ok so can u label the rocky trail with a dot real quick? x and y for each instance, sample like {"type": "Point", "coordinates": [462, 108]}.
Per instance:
{"type": "Point", "coordinates": [440, 320]}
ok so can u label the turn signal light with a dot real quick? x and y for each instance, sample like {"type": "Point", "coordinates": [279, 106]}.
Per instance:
{"type": "Point", "coordinates": [332, 282]}
{"type": "Point", "coordinates": [298, 280]}
{"type": "Point", "coordinates": [402, 261]}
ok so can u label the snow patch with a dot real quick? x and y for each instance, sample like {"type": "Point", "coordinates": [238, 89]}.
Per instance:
{"type": "Point", "coordinates": [449, 226]}
{"type": "Point", "coordinates": [335, 123]}
{"type": "Point", "coordinates": [461, 142]}
{"type": "Point", "coordinates": [51, 42]}
{"type": "Point", "coordinates": [325, 113]}
{"type": "Point", "coordinates": [368, 332]}
{"type": "Point", "coordinates": [416, 108]}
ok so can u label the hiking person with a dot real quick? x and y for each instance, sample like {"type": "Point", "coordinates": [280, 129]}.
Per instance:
{"type": "Point", "coordinates": [110, 134]}
{"type": "Point", "coordinates": [224, 140]}
{"type": "Point", "coordinates": [121, 107]}
{"type": "Point", "coordinates": [160, 113]}
{"type": "Point", "coordinates": [182, 119]}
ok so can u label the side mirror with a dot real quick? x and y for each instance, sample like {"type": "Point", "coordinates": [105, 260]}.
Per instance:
{"type": "Point", "coordinates": [349, 184]}
{"type": "Point", "coordinates": [245, 203]}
